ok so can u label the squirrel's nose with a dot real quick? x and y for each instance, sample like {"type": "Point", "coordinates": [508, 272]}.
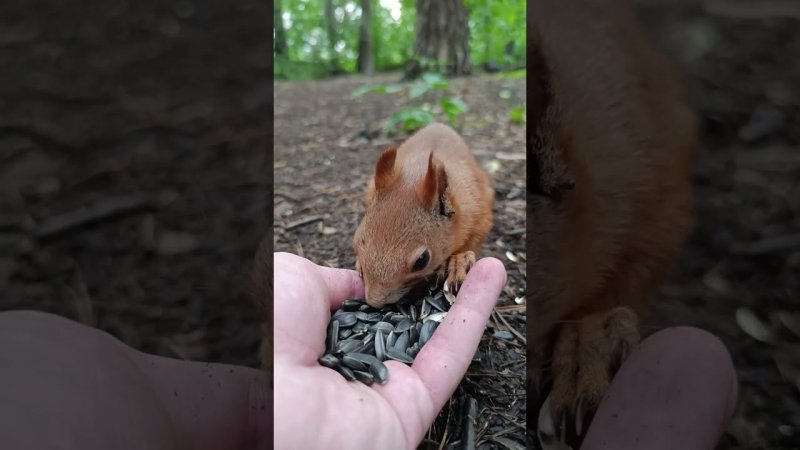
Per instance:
{"type": "Point", "coordinates": [374, 297]}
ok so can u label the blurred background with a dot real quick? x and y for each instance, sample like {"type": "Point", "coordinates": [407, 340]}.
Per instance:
{"type": "Point", "coordinates": [740, 276]}
{"type": "Point", "coordinates": [135, 150]}
{"type": "Point", "coordinates": [353, 77]}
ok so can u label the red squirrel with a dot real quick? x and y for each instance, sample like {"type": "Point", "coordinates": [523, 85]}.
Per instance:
{"type": "Point", "coordinates": [610, 149]}
{"type": "Point", "coordinates": [428, 209]}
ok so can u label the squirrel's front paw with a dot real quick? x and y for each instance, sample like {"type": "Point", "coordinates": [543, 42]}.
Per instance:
{"type": "Point", "coordinates": [587, 355]}
{"type": "Point", "coordinates": [457, 268]}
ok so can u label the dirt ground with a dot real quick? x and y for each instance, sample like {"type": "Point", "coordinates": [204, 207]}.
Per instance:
{"type": "Point", "coordinates": [326, 147]}
{"type": "Point", "coordinates": [134, 146]}
{"type": "Point", "coordinates": [744, 258]}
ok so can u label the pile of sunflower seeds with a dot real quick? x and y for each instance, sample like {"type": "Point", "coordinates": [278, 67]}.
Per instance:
{"type": "Point", "coordinates": [361, 337]}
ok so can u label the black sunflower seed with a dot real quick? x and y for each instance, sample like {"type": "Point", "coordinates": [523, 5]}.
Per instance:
{"type": "Point", "coordinates": [364, 358]}
{"type": "Point", "coordinates": [364, 377]}
{"type": "Point", "coordinates": [346, 372]}
{"type": "Point", "coordinates": [348, 346]}
{"type": "Point", "coordinates": [352, 305]}
{"type": "Point", "coordinates": [401, 343]}
{"type": "Point", "coordinates": [347, 320]}
{"type": "Point", "coordinates": [329, 360]}
{"type": "Point", "coordinates": [404, 325]}
{"type": "Point", "coordinates": [426, 332]}
{"type": "Point", "coordinates": [436, 302]}
{"type": "Point", "coordinates": [380, 349]}
{"type": "Point", "coordinates": [354, 363]}
{"type": "Point", "coordinates": [360, 328]}
{"type": "Point", "coordinates": [368, 338]}
{"type": "Point", "coordinates": [413, 335]}
{"type": "Point", "coordinates": [367, 347]}
{"type": "Point", "coordinates": [379, 371]}
{"type": "Point", "coordinates": [424, 309]}
{"type": "Point", "coordinates": [399, 356]}
{"type": "Point", "coordinates": [385, 327]}
{"type": "Point", "coordinates": [333, 335]}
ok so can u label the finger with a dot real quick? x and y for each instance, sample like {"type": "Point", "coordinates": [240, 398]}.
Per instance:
{"type": "Point", "coordinates": [419, 392]}
{"type": "Point", "coordinates": [677, 390]}
{"type": "Point", "coordinates": [444, 359]}
{"type": "Point", "coordinates": [305, 294]}
{"type": "Point", "coordinates": [342, 284]}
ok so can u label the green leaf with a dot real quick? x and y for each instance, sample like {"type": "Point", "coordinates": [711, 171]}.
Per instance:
{"type": "Point", "coordinates": [452, 108]}
{"type": "Point", "coordinates": [381, 89]}
{"type": "Point", "coordinates": [505, 94]}
{"type": "Point", "coordinates": [513, 74]}
{"type": "Point", "coordinates": [411, 119]}
{"type": "Point", "coordinates": [517, 114]}
{"type": "Point", "coordinates": [418, 89]}
{"type": "Point", "coordinates": [434, 80]}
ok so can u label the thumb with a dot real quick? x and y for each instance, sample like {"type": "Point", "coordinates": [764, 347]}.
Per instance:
{"type": "Point", "coordinates": [443, 361]}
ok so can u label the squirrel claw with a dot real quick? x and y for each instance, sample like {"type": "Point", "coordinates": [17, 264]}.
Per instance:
{"type": "Point", "coordinates": [457, 268]}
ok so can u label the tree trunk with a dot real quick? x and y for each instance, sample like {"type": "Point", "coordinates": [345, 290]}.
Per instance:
{"type": "Point", "coordinates": [280, 32]}
{"type": "Point", "coordinates": [442, 35]}
{"type": "Point", "coordinates": [330, 23]}
{"type": "Point", "coordinates": [366, 63]}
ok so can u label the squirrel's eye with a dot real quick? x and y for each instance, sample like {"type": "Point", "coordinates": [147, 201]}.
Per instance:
{"type": "Point", "coordinates": [422, 261]}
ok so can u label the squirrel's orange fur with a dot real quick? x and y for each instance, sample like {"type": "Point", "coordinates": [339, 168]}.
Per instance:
{"type": "Point", "coordinates": [609, 207]}
{"type": "Point", "coordinates": [427, 195]}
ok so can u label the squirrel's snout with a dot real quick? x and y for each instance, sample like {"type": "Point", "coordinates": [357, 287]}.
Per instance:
{"type": "Point", "coordinates": [378, 297]}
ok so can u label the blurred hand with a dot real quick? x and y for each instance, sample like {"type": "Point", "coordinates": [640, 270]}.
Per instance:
{"type": "Point", "coordinates": [317, 408]}
{"type": "Point", "coordinates": [68, 386]}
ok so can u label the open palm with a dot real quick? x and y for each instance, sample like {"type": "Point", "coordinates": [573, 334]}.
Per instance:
{"type": "Point", "coordinates": [326, 411]}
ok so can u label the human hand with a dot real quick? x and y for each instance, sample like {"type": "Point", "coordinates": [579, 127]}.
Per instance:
{"type": "Point", "coordinates": [317, 408]}
{"type": "Point", "coordinates": [65, 385]}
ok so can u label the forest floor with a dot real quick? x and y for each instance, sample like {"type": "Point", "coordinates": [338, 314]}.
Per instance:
{"type": "Point", "coordinates": [326, 147]}
{"type": "Point", "coordinates": [134, 146]}
{"type": "Point", "coordinates": [740, 276]}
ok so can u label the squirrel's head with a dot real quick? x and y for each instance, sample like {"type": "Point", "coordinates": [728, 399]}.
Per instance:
{"type": "Point", "coordinates": [406, 233]}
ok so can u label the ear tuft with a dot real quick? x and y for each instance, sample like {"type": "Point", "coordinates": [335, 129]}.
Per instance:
{"type": "Point", "coordinates": [445, 205]}
{"type": "Point", "coordinates": [426, 189]}
{"type": "Point", "coordinates": [384, 169]}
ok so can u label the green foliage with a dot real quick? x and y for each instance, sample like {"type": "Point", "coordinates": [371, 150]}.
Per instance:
{"type": "Point", "coordinates": [452, 108]}
{"type": "Point", "coordinates": [412, 119]}
{"type": "Point", "coordinates": [517, 115]}
{"type": "Point", "coordinates": [427, 82]}
{"type": "Point", "coordinates": [381, 89]}
{"type": "Point", "coordinates": [493, 24]}
{"type": "Point", "coordinates": [497, 26]}
{"type": "Point", "coordinates": [416, 117]}
{"type": "Point", "coordinates": [513, 74]}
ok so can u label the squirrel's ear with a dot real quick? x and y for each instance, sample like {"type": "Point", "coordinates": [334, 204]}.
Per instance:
{"type": "Point", "coordinates": [426, 189]}
{"type": "Point", "coordinates": [433, 191]}
{"type": "Point", "coordinates": [384, 169]}
{"type": "Point", "coordinates": [445, 204]}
